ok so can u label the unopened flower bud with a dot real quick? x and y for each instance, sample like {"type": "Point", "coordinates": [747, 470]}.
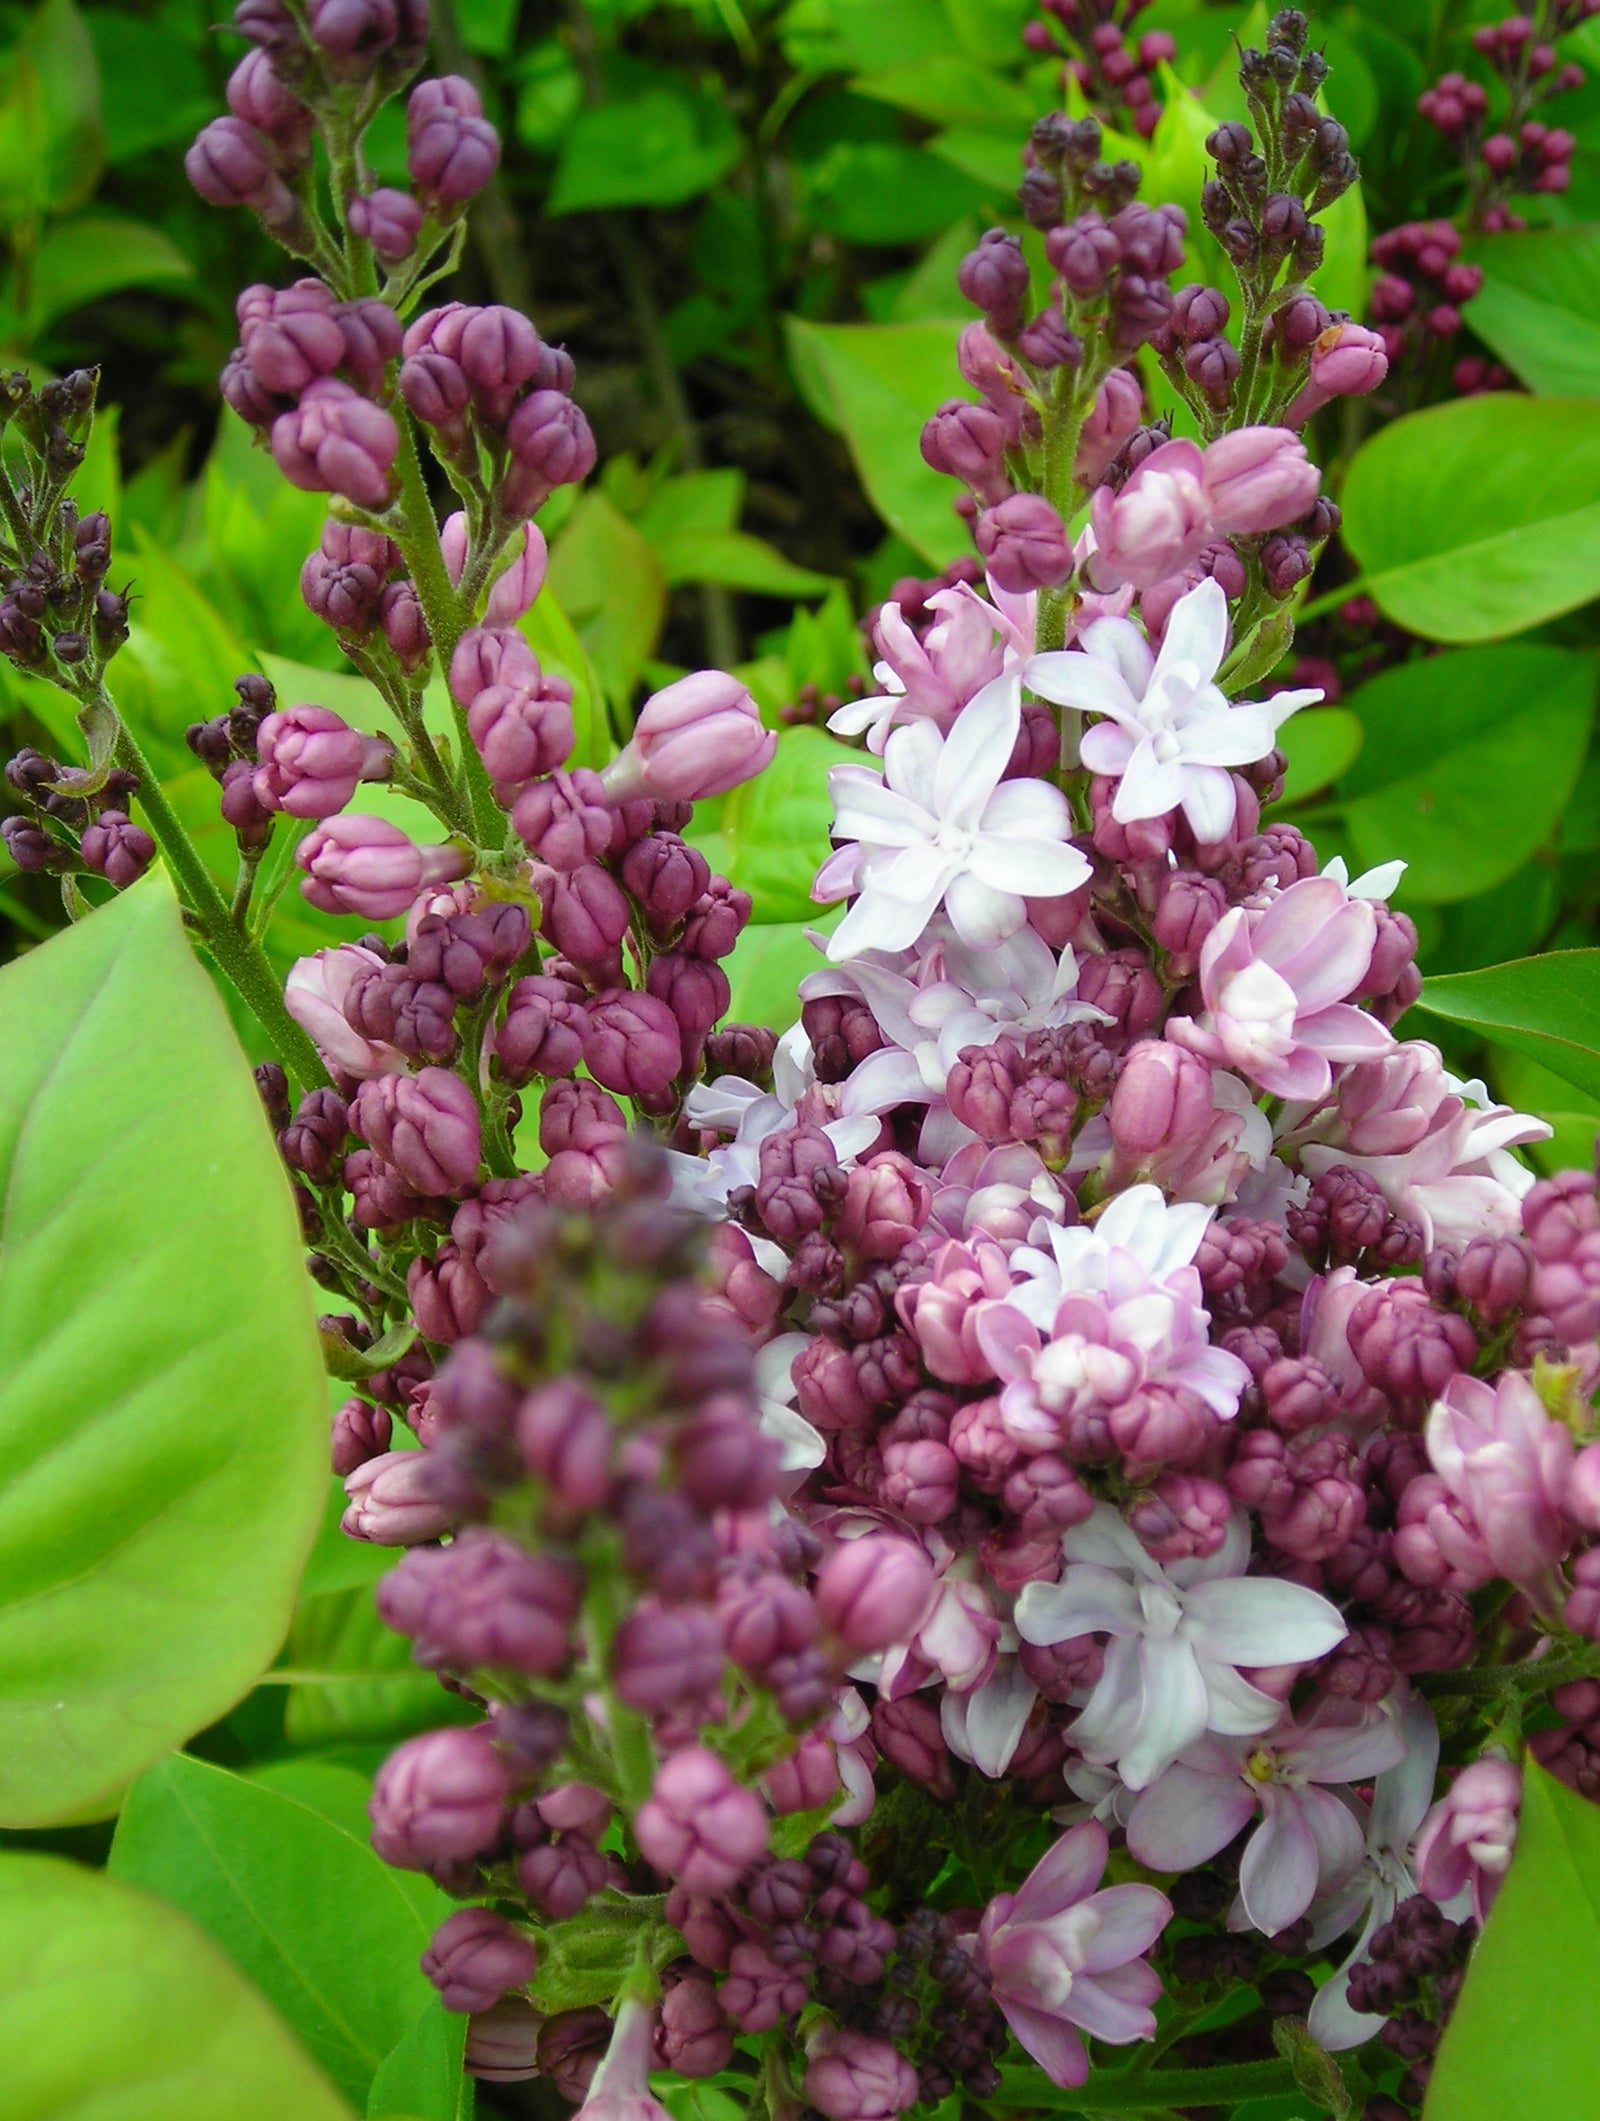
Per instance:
{"type": "Point", "coordinates": [365, 865]}
{"type": "Point", "coordinates": [698, 1825]}
{"type": "Point", "coordinates": [1024, 544]}
{"type": "Point", "coordinates": [872, 1591]}
{"type": "Point", "coordinates": [475, 1957]}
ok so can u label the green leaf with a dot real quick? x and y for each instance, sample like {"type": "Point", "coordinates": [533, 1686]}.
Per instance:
{"type": "Point", "coordinates": [94, 256]}
{"type": "Point", "coordinates": [326, 1929]}
{"type": "Point", "coordinates": [113, 2006]}
{"type": "Point", "coordinates": [613, 588]}
{"type": "Point", "coordinates": [738, 561]}
{"type": "Point", "coordinates": [1320, 743]}
{"type": "Point", "coordinates": [163, 1414]}
{"type": "Point", "coordinates": [776, 826]}
{"type": "Point", "coordinates": [154, 92]}
{"type": "Point", "coordinates": [692, 500]}
{"type": "Point", "coordinates": [51, 144]}
{"type": "Point", "coordinates": [1479, 518]}
{"type": "Point", "coordinates": [367, 1686]}
{"type": "Point", "coordinates": [878, 383]}
{"type": "Point", "coordinates": [949, 90]}
{"type": "Point", "coordinates": [882, 191]}
{"type": "Point", "coordinates": [1469, 761]}
{"type": "Point", "coordinates": [421, 2076]}
{"type": "Point", "coordinates": [658, 148]}
{"type": "Point", "coordinates": [767, 965]}
{"type": "Point", "coordinates": [1539, 306]}
{"type": "Point", "coordinates": [1547, 1007]}
{"type": "Point", "coordinates": [553, 639]}
{"type": "Point", "coordinates": [1520, 2041]}
{"type": "Point", "coordinates": [332, 1791]}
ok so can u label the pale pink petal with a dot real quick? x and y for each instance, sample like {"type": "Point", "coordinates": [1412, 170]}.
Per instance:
{"type": "Point", "coordinates": [1262, 1620]}
{"type": "Point", "coordinates": [981, 915]}
{"type": "Point", "coordinates": [1067, 1872]}
{"type": "Point", "coordinates": [1278, 1876]}
{"type": "Point", "coordinates": [1053, 2045]}
{"type": "Point", "coordinates": [1183, 1818]}
{"type": "Point", "coordinates": [1106, 749]}
{"type": "Point", "coordinates": [1197, 630]}
{"type": "Point", "coordinates": [1173, 1710]}
{"type": "Point", "coordinates": [1210, 803]}
{"type": "Point", "coordinates": [1150, 787]}
{"type": "Point", "coordinates": [1132, 1917]}
{"type": "Point", "coordinates": [976, 751]}
{"type": "Point", "coordinates": [1087, 1601]}
{"type": "Point", "coordinates": [1096, 2005]}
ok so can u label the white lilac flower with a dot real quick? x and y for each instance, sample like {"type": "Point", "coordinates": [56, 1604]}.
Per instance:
{"type": "Point", "coordinates": [984, 1726]}
{"type": "Point", "coordinates": [1309, 1841]}
{"type": "Point", "coordinates": [1179, 1638]}
{"type": "Point", "coordinates": [1170, 735]}
{"type": "Point", "coordinates": [940, 827]}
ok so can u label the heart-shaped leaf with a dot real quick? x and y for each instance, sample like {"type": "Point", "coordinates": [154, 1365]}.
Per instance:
{"type": "Point", "coordinates": [1481, 517]}
{"type": "Point", "coordinates": [163, 1414]}
{"type": "Point", "coordinates": [113, 2005]}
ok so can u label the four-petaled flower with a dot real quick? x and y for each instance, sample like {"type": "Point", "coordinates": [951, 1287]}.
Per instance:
{"type": "Point", "coordinates": [1170, 735]}
{"type": "Point", "coordinates": [941, 828]}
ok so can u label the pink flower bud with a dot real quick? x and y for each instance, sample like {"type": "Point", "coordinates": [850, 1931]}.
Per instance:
{"type": "Point", "coordinates": [452, 149]}
{"type": "Point", "coordinates": [1163, 1100]}
{"type": "Point", "coordinates": [404, 627]}
{"type": "Point", "coordinates": [475, 1957]}
{"type": "Point", "coordinates": [290, 335]}
{"type": "Point", "coordinates": [968, 442]}
{"type": "Point", "coordinates": [394, 1501]}
{"type": "Point", "coordinates": [1468, 1837]}
{"type": "Point", "coordinates": [565, 1440]}
{"type": "Point", "coordinates": [312, 761]}
{"type": "Point", "coordinates": [231, 164]}
{"type": "Point", "coordinates": [258, 97]}
{"type": "Point", "coordinates": [562, 1876]}
{"type": "Point", "coordinates": [667, 1657]}
{"type": "Point", "coordinates": [563, 820]}
{"type": "Point", "coordinates": [484, 1600]}
{"type": "Point", "coordinates": [586, 915]}
{"type": "Point", "coordinates": [854, 2077]}
{"type": "Point", "coordinates": [426, 1125]}
{"type": "Point", "coordinates": [886, 1204]}
{"type": "Point", "coordinates": [502, 2045]}
{"type": "Point", "coordinates": [1156, 524]}
{"type": "Point", "coordinates": [361, 1432]}
{"type": "Point", "coordinates": [522, 731]}
{"type": "Point", "coordinates": [439, 1798]}
{"type": "Point", "coordinates": [1258, 478]}
{"type": "Point", "coordinates": [1348, 361]}
{"type": "Point", "coordinates": [632, 1045]}
{"type": "Point", "coordinates": [693, 2038]}
{"type": "Point", "coordinates": [806, 1780]}
{"type": "Point", "coordinates": [1115, 415]}
{"type": "Point", "coordinates": [909, 1734]}
{"type": "Point", "coordinates": [696, 738]}
{"type": "Point", "coordinates": [873, 1591]}
{"type": "Point", "coordinates": [920, 1479]}
{"type": "Point", "coordinates": [1024, 544]}
{"type": "Point", "coordinates": [336, 441]}
{"type": "Point", "coordinates": [490, 655]}
{"type": "Point", "coordinates": [389, 220]}
{"type": "Point", "coordinates": [698, 1825]}
{"type": "Point", "coordinates": [343, 579]}
{"type": "Point", "coordinates": [518, 585]}
{"type": "Point", "coordinates": [365, 865]}
{"type": "Point", "coordinates": [542, 1033]}
{"type": "Point", "coordinates": [551, 445]}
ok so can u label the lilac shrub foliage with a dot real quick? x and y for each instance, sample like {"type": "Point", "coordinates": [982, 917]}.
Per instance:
{"type": "Point", "coordinates": [1043, 1498]}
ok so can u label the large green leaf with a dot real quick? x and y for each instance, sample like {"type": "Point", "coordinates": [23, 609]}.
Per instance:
{"type": "Point", "coordinates": [94, 256]}
{"type": "Point", "coordinates": [326, 1930]}
{"type": "Point", "coordinates": [949, 90]}
{"type": "Point", "coordinates": [1521, 2038]}
{"type": "Point", "coordinates": [767, 965]}
{"type": "Point", "coordinates": [612, 586]}
{"type": "Point", "coordinates": [1539, 306]}
{"type": "Point", "coordinates": [878, 383]}
{"type": "Point", "coordinates": [776, 826]}
{"type": "Point", "coordinates": [1479, 518]}
{"type": "Point", "coordinates": [51, 145]}
{"type": "Point", "coordinates": [657, 148]}
{"type": "Point", "coordinates": [1547, 1007]}
{"type": "Point", "coordinates": [1469, 760]}
{"type": "Point", "coordinates": [163, 1425]}
{"type": "Point", "coordinates": [361, 1683]}
{"type": "Point", "coordinates": [738, 561]}
{"type": "Point", "coordinates": [114, 2008]}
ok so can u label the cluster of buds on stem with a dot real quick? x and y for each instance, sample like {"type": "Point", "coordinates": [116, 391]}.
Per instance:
{"type": "Point", "coordinates": [1507, 151]}
{"type": "Point", "coordinates": [1110, 66]}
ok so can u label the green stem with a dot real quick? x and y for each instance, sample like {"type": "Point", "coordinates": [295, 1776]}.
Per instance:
{"type": "Point", "coordinates": [243, 962]}
{"type": "Point", "coordinates": [447, 621]}
{"type": "Point", "coordinates": [1121, 2092]}
{"type": "Point", "coordinates": [633, 1751]}
{"type": "Point", "coordinates": [1536, 1676]}
{"type": "Point", "coordinates": [344, 1250]}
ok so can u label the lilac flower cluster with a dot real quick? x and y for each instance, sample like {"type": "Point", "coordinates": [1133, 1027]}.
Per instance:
{"type": "Point", "coordinates": [1520, 154]}
{"type": "Point", "coordinates": [947, 1525]}
{"type": "Point", "coordinates": [1106, 63]}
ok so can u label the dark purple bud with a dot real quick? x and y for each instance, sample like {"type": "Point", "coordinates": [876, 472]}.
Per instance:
{"type": "Point", "coordinates": [452, 149]}
{"type": "Point", "coordinates": [1084, 253]}
{"type": "Point", "coordinates": [117, 849]}
{"type": "Point", "coordinates": [258, 97]}
{"type": "Point", "coordinates": [907, 1732]}
{"type": "Point", "coordinates": [381, 1198]}
{"type": "Point", "coordinates": [693, 2037]}
{"type": "Point", "coordinates": [500, 354]}
{"type": "Point", "coordinates": [314, 1138]}
{"type": "Point", "coordinates": [723, 1460]}
{"type": "Point", "coordinates": [968, 442]}
{"type": "Point", "coordinates": [667, 877]}
{"type": "Point", "coordinates": [1139, 309]}
{"type": "Point", "coordinates": [1123, 984]}
{"type": "Point", "coordinates": [426, 1125]}
{"type": "Point", "coordinates": [484, 1600]}
{"type": "Point", "coordinates": [667, 1657]}
{"type": "Point", "coordinates": [404, 627]}
{"type": "Point", "coordinates": [632, 1045]}
{"type": "Point", "coordinates": [763, 1618]}
{"type": "Point", "coordinates": [361, 1432]}
{"type": "Point", "coordinates": [371, 333]}
{"type": "Point", "coordinates": [243, 389]}
{"type": "Point", "coordinates": [1025, 545]}
{"type": "Point", "coordinates": [1150, 238]}
{"type": "Point", "coordinates": [542, 1033]}
{"type": "Point", "coordinates": [467, 951]}
{"type": "Point", "coordinates": [562, 1875]}
{"type": "Point", "coordinates": [336, 441]}
{"type": "Point", "coordinates": [571, 2045]}
{"type": "Point", "coordinates": [344, 578]}
{"type": "Point", "coordinates": [1046, 342]}
{"type": "Point", "coordinates": [551, 445]}
{"type": "Point", "coordinates": [435, 388]}
{"type": "Point", "coordinates": [564, 1436]}
{"type": "Point", "coordinates": [564, 821]}
{"type": "Point", "coordinates": [1199, 312]}
{"type": "Point", "coordinates": [389, 220]}
{"type": "Point", "coordinates": [352, 34]}
{"type": "Point", "coordinates": [439, 1799]}
{"type": "Point", "coordinates": [475, 1957]}
{"type": "Point", "coordinates": [716, 921]}
{"type": "Point", "coordinates": [448, 1295]}
{"type": "Point", "coordinates": [994, 277]}
{"type": "Point", "coordinates": [586, 914]}
{"type": "Point", "coordinates": [290, 335]}
{"type": "Point", "coordinates": [502, 2045]}
{"type": "Point", "coordinates": [697, 993]}
{"type": "Point", "coordinates": [230, 164]}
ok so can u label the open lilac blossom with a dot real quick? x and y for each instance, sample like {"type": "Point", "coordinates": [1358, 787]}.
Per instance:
{"type": "Point", "coordinates": [1064, 1959]}
{"type": "Point", "coordinates": [1180, 1638]}
{"type": "Point", "coordinates": [965, 648]}
{"type": "Point", "coordinates": [1309, 1841]}
{"type": "Point", "coordinates": [1169, 736]}
{"type": "Point", "coordinates": [941, 828]}
{"type": "Point", "coordinates": [1467, 1839]}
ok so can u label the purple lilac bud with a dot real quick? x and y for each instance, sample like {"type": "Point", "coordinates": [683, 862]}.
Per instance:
{"type": "Point", "coordinates": [632, 1045]}
{"type": "Point", "coordinates": [698, 1826]}
{"type": "Point", "coordinates": [343, 579]}
{"type": "Point", "coordinates": [365, 865]}
{"type": "Point", "coordinates": [1163, 1100]}
{"type": "Point", "coordinates": [404, 627]}
{"type": "Point", "coordinates": [452, 149]}
{"type": "Point", "coordinates": [389, 220]}
{"type": "Point", "coordinates": [570, 2047]}
{"type": "Point", "coordinates": [258, 97]}
{"type": "Point", "coordinates": [394, 1500]}
{"type": "Point", "coordinates": [500, 353]}
{"type": "Point", "coordinates": [763, 1618]}
{"type": "Point", "coordinates": [1182, 1518]}
{"type": "Point", "coordinates": [231, 164]}
{"type": "Point", "coordinates": [290, 335]}
{"type": "Point", "coordinates": [586, 915]}
{"type": "Point", "coordinates": [312, 761]}
{"type": "Point", "coordinates": [1115, 415]}
{"type": "Point", "coordinates": [371, 333]}
{"type": "Point", "coordinates": [360, 1431]}
{"type": "Point", "coordinates": [994, 278]}
{"type": "Point", "coordinates": [543, 1031]}
{"type": "Point", "coordinates": [564, 1436]}
{"type": "Point", "coordinates": [853, 2077]}
{"type": "Point", "coordinates": [693, 2039]}
{"type": "Point", "coordinates": [312, 1140]}
{"type": "Point", "coordinates": [1025, 545]}
{"type": "Point", "coordinates": [439, 1798]}
{"type": "Point", "coordinates": [475, 1957]}
{"type": "Point", "coordinates": [968, 442]}
{"type": "Point", "coordinates": [484, 1600]}
{"type": "Point", "coordinates": [116, 848]}
{"type": "Point", "coordinates": [522, 731]}
{"type": "Point", "coordinates": [694, 739]}
{"type": "Point", "coordinates": [872, 1592]}
{"type": "Point", "coordinates": [426, 1125]}
{"type": "Point", "coordinates": [564, 822]}
{"type": "Point", "coordinates": [667, 1657]}
{"type": "Point", "coordinates": [551, 445]}
{"type": "Point", "coordinates": [908, 1734]}
{"type": "Point", "coordinates": [336, 441]}
{"type": "Point", "coordinates": [1085, 252]}
{"type": "Point", "coordinates": [502, 2045]}
{"type": "Point", "coordinates": [1257, 479]}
